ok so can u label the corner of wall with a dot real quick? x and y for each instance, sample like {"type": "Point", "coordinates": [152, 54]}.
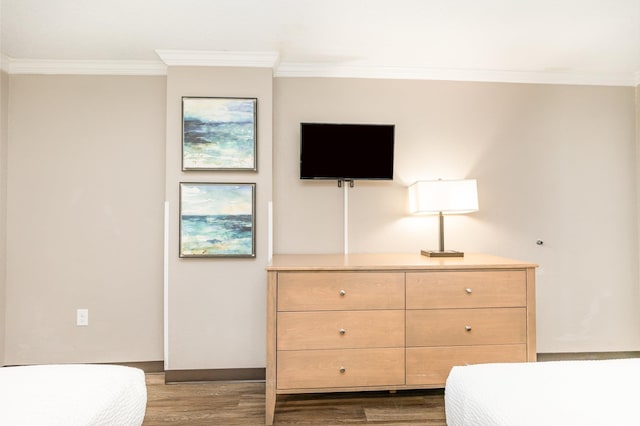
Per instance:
{"type": "Point", "coordinates": [4, 101]}
{"type": "Point", "coordinates": [637, 145]}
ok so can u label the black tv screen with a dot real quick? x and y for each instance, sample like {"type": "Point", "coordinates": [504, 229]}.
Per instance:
{"type": "Point", "coordinates": [346, 151]}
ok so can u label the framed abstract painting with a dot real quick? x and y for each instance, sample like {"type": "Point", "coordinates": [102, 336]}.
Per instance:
{"type": "Point", "coordinates": [217, 219]}
{"type": "Point", "coordinates": [219, 133]}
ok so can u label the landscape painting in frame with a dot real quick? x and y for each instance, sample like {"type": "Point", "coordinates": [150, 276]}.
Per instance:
{"type": "Point", "coordinates": [217, 219]}
{"type": "Point", "coordinates": [218, 134]}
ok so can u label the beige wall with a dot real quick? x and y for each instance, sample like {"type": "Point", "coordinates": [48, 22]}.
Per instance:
{"type": "Point", "coordinates": [85, 218]}
{"type": "Point", "coordinates": [554, 163]}
{"type": "Point", "coordinates": [637, 90]}
{"type": "Point", "coordinates": [91, 160]}
{"type": "Point", "coordinates": [4, 103]}
{"type": "Point", "coordinates": [217, 306]}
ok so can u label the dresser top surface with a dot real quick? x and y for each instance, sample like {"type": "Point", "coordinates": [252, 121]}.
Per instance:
{"type": "Point", "coordinates": [390, 261]}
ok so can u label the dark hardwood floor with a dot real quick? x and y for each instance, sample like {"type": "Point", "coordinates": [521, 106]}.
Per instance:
{"type": "Point", "coordinates": [242, 403]}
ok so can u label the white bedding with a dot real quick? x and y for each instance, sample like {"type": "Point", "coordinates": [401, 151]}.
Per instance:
{"type": "Point", "coordinates": [74, 394]}
{"type": "Point", "coordinates": [584, 393]}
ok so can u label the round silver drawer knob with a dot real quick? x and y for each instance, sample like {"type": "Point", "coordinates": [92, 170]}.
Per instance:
{"type": "Point", "coordinates": [467, 327]}
{"type": "Point", "coordinates": [342, 292]}
{"type": "Point", "coordinates": [342, 331]}
{"type": "Point", "coordinates": [468, 290]}
{"type": "Point", "coordinates": [343, 370]}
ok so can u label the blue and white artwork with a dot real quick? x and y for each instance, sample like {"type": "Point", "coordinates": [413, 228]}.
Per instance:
{"type": "Point", "coordinates": [217, 219]}
{"type": "Point", "coordinates": [218, 134]}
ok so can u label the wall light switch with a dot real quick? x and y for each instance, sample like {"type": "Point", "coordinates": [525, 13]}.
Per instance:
{"type": "Point", "coordinates": [82, 317]}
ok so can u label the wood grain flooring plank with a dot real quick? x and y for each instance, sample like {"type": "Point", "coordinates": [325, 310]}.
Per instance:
{"type": "Point", "coordinates": [243, 403]}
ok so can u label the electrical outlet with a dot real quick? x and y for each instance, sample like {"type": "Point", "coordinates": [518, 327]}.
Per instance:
{"type": "Point", "coordinates": [82, 317]}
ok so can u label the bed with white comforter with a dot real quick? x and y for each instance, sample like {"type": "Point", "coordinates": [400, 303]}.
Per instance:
{"type": "Point", "coordinates": [581, 393]}
{"type": "Point", "coordinates": [72, 394]}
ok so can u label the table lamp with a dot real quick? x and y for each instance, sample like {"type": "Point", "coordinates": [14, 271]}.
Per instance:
{"type": "Point", "coordinates": [443, 197]}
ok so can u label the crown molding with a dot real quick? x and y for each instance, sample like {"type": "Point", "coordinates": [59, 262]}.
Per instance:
{"type": "Point", "coordinates": [218, 58]}
{"type": "Point", "coordinates": [88, 67]}
{"type": "Point", "coordinates": [292, 69]}
{"type": "Point", "coordinates": [302, 69]}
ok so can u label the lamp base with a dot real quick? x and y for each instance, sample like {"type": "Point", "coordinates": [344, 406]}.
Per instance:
{"type": "Point", "coordinates": [446, 253]}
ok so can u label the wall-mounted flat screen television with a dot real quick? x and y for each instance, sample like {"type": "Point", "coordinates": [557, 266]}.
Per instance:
{"type": "Point", "coordinates": [346, 151]}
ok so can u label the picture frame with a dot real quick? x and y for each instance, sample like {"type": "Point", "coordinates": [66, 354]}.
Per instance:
{"type": "Point", "coordinates": [217, 219]}
{"type": "Point", "coordinates": [219, 133]}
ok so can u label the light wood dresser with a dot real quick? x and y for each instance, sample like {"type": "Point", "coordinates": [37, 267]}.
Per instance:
{"type": "Point", "coordinates": [356, 322]}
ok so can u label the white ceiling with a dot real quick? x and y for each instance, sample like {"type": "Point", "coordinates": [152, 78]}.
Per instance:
{"type": "Point", "coordinates": [582, 41]}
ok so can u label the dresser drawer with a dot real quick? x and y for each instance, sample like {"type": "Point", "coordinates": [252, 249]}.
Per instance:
{"type": "Point", "coordinates": [340, 368]}
{"type": "Point", "coordinates": [466, 289]}
{"type": "Point", "coordinates": [459, 327]}
{"type": "Point", "coordinates": [340, 329]}
{"type": "Point", "coordinates": [317, 291]}
{"type": "Point", "coordinates": [431, 366]}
